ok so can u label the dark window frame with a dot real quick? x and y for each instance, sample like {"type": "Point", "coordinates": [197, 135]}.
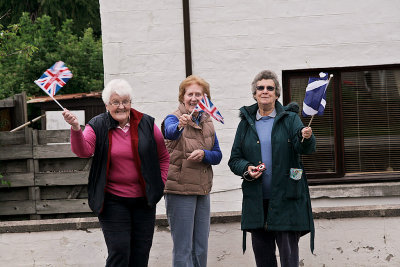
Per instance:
{"type": "Point", "coordinates": [339, 176]}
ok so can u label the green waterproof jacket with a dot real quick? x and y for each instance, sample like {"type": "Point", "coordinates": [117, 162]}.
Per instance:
{"type": "Point", "coordinates": [289, 206]}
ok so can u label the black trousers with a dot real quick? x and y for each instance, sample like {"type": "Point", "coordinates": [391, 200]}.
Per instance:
{"type": "Point", "coordinates": [264, 246]}
{"type": "Point", "coordinates": [128, 228]}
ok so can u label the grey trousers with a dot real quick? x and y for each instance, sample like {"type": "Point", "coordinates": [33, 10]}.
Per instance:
{"type": "Point", "coordinates": [189, 220]}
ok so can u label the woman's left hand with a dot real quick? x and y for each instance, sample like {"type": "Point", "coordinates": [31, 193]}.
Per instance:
{"type": "Point", "coordinates": [196, 155]}
{"type": "Point", "coordinates": [306, 132]}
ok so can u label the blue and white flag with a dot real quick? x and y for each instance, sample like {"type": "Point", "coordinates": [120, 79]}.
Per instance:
{"type": "Point", "coordinates": [315, 98]}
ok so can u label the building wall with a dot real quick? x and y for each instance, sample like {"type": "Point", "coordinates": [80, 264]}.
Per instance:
{"type": "Point", "coordinates": [143, 43]}
{"type": "Point", "coordinates": [232, 41]}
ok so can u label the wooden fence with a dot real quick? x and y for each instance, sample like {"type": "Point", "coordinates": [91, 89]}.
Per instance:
{"type": "Point", "coordinates": [13, 112]}
{"type": "Point", "coordinates": [42, 178]}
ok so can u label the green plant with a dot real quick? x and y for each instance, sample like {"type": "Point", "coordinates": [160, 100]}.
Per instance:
{"type": "Point", "coordinates": [85, 13]}
{"type": "Point", "coordinates": [29, 48]}
{"type": "Point", "coordinates": [4, 182]}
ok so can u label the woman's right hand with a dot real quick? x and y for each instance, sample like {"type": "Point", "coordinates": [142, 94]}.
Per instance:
{"type": "Point", "coordinates": [183, 120]}
{"type": "Point", "coordinates": [71, 119]}
{"type": "Point", "coordinates": [254, 172]}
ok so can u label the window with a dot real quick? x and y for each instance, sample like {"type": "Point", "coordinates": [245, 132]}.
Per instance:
{"type": "Point", "coordinates": [358, 137]}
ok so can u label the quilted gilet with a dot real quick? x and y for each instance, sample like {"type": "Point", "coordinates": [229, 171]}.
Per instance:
{"type": "Point", "coordinates": [188, 177]}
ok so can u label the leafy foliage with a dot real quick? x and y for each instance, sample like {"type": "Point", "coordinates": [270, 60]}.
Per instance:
{"type": "Point", "coordinates": [4, 182]}
{"type": "Point", "coordinates": [84, 13]}
{"type": "Point", "coordinates": [29, 48]}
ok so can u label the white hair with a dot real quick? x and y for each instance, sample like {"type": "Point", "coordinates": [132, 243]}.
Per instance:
{"type": "Point", "coordinates": [119, 86]}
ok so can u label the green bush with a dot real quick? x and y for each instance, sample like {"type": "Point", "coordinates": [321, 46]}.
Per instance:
{"type": "Point", "coordinates": [28, 49]}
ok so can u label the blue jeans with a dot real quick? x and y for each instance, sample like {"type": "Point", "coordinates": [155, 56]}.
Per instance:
{"type": "Point", "coordinates": [128, 228]}
{"type": "Point", "coordinates": [189, 220]}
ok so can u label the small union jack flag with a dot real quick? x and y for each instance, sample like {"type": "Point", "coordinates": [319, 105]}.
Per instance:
{"type": "Point", "coordinates": [54, 78]}
{"type": "Point", "coordinates": [207, 106]}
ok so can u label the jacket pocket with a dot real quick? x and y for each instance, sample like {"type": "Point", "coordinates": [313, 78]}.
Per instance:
{"type": "Point", "coordinates": [252, 209]}
{"type": "Point", "coordinates": [294, 188]}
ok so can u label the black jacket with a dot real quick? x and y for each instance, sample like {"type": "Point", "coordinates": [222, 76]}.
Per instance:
{"type": "Point", "coordinates": [143, 144]}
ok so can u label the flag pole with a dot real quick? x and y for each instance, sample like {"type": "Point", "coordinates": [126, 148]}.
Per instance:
{"type": "Point", "coordinates": [57, 102]}
{"type": "Point", "coordinates": [312, 117]}
{"type": "Point", "coordinates": [191, 113]}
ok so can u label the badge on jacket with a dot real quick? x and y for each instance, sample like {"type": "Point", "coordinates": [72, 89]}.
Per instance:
{"type": "Point", "coordinates": [296, 174]}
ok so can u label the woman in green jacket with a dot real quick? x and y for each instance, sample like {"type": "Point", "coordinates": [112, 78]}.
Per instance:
{"type": "Point", "coordinates": [276, 206]}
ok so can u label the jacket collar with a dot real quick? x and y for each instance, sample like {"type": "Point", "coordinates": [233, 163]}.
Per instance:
{"type": "Point", "coordinates": [182, 108]}
{"type": "Point", "coordinates": [111, 122]}
{"type": "Point", "coordinates": [280, 110]}
{"type": "Point", "coordinates": [249, 112]}
{"type": "Point", "coordinates": [271, 115]}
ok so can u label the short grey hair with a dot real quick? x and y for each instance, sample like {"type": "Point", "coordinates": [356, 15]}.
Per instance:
{"type": "Point", "coordinates": [119, 86]}
{"type": "Point", "coordinates": [266, 75]}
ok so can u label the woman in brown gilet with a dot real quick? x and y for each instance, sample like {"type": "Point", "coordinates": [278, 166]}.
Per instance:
{"type": "Point", "coordinates": [193, 147]}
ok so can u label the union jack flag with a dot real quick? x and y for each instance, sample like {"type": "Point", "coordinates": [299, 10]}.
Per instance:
{"type": "Point", "coordinates": [54, 78]}
{"type": "Point", "coordinates": [207, 106]}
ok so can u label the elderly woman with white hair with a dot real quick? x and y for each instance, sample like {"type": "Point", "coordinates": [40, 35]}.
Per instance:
{"type": "Point", "coordinates": [127, 176]}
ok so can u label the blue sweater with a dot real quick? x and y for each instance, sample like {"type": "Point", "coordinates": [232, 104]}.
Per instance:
{"type": "Point", "coordinates": [212, 157]}
{"type": "Point", "coordinates": [264, 129]}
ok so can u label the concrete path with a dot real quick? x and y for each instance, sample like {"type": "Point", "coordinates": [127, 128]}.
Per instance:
{"type": "Point", "coordinates": [364, 242]}
{"type": "Point", "coordinates": [87, 248]}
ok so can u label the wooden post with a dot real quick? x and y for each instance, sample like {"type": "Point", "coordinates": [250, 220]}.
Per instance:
{"type": "Point", "coordinates": [20, 109]}
{"type": "Point", "coordinates": [34, 192]}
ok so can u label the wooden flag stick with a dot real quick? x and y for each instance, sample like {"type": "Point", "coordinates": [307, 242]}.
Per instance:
{"type": "Point", "coordinates": [191, 113]}
{"type": "Point", "coordinates": [312, 117]}
{"type": "Point", "coordinates": [57, 102]}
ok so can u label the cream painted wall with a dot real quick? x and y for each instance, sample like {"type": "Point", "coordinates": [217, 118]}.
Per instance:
{"type": "Point", "coordinates": [143, 43]}
{"type": "Point", "coordinates": [232, 41]}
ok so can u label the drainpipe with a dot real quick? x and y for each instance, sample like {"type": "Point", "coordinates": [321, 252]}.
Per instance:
{"type": "Point", "coordinates": [186, 35]}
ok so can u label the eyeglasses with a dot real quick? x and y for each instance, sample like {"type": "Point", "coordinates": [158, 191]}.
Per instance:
{"type": "Point", "coordinates": [262, 87]}
{"type": "Point", "coordinates": [124, 103]}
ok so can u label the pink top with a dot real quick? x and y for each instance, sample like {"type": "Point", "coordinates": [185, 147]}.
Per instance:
{"type": "Point", "coordinates": [123, 177]}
